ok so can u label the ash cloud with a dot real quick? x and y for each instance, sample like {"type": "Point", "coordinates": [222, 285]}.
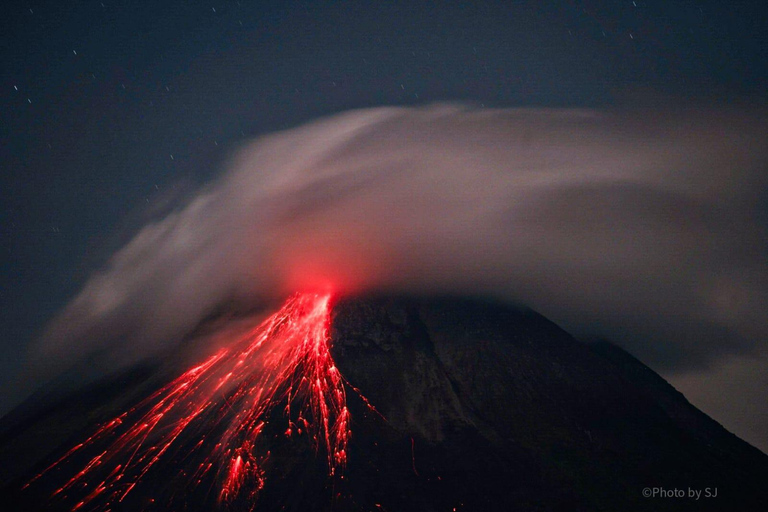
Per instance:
{"type": "Point", "coordinates": [645, 227]}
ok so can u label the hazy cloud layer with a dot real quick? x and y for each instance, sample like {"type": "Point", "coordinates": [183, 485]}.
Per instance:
{"type": "Point", "coordinates": [645, 227]}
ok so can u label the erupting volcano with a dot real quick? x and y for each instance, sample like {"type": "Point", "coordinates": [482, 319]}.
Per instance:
{"type": "Point", "coordinates": [488, 407]}
{"type": "Point", "coordinates": [225, 401]}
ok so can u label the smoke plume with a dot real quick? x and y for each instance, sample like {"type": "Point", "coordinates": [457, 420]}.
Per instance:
{"type": "Point", "coordinates": [646, 227]}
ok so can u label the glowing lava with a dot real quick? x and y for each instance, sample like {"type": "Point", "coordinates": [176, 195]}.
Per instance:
{"type": "Point", "coordinates": [225, 403]}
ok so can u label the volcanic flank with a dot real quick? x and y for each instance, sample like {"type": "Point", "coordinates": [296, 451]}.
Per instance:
{"type": "Point", "coordinates": [421, 404]}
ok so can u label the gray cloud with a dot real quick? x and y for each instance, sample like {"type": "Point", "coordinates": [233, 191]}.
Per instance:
{"type": "Point", "coordinates": [642, 226]}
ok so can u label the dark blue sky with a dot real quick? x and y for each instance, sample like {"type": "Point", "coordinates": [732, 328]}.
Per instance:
{"type": "Point", "coordinates": [109, 109]}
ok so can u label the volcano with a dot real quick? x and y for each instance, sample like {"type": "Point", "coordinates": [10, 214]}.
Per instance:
{"type": "Point", "coordinates": [380, 403]}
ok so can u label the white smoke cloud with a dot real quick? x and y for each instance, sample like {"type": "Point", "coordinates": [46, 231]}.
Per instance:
{"type": "Point", "coordinates": [646, 227]}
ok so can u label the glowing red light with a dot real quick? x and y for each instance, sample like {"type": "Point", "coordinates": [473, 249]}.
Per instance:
{"type": "Point", "coordinates": [285, 359]}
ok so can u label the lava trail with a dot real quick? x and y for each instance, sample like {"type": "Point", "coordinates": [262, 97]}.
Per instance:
{"type": "Point", "coordinates": [223, 405]}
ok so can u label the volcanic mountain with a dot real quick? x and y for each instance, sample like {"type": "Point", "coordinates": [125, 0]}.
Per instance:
{"type": "Point", "coordinates": [408, 404]}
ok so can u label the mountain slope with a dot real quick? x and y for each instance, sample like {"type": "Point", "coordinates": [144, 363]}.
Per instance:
{"type": "Point", "coordinates": [589, 426]}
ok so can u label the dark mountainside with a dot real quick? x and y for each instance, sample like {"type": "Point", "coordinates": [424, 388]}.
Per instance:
{"type": "Point", "coordinates": [485, 407]}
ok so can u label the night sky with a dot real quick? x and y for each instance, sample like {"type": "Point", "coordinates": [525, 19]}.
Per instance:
{"type": "Point", "coordinates": [112, 110]}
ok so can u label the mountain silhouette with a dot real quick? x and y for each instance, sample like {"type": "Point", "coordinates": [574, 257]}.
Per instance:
{"type": "Point", "coordinates": [456, 404]}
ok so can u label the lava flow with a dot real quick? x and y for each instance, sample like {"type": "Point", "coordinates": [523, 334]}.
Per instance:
{"type": "Point", "coordinates": [223, 405]}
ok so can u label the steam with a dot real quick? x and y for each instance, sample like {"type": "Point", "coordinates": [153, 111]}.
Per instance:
{"type": "Point", "coordinates": [644, 227]}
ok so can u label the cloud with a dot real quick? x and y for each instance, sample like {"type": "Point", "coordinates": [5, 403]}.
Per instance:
{"type": "Point", "coordinates": [647, 227]}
